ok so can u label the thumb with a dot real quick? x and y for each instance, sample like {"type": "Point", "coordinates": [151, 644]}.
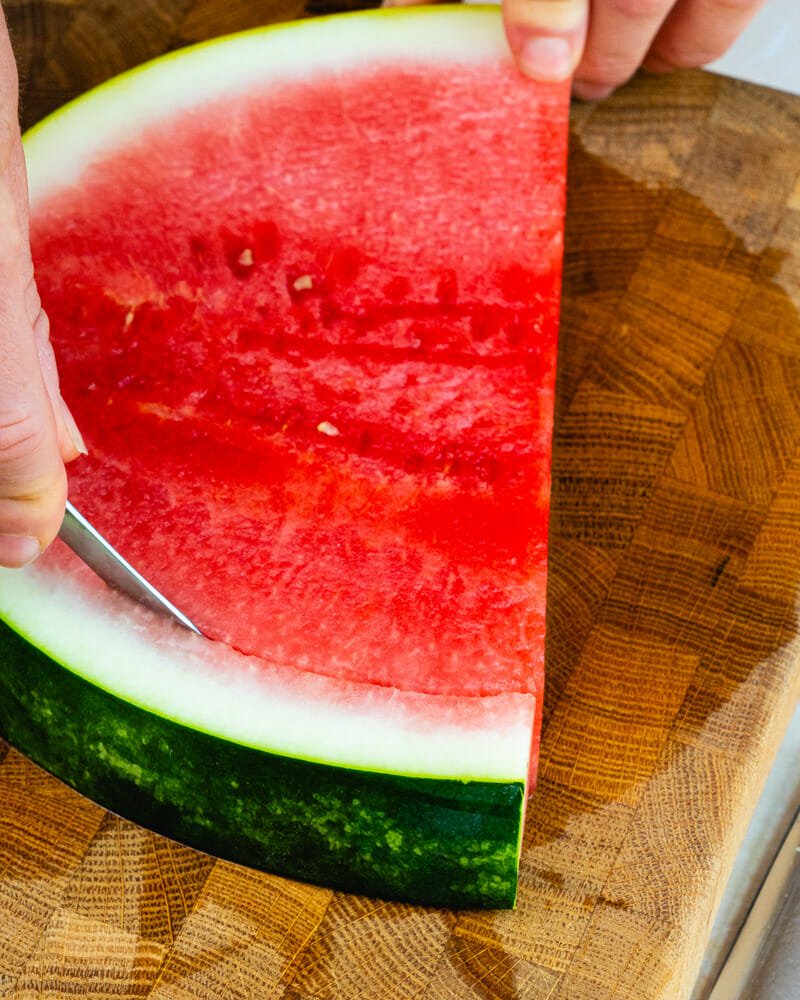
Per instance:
{"type": "Point", "coordinates": [37, 435]}
{"type": "Point", "coordinates": [32, 475]}
{"type": "Point", "coordinates": [546, 37]}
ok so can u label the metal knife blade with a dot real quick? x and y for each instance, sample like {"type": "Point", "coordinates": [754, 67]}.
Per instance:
{"type": "Point", "coordinates": [103, 559]}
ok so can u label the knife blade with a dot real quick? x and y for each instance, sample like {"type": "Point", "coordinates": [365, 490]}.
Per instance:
{"type": "Point", "coordinates": [104, 560]}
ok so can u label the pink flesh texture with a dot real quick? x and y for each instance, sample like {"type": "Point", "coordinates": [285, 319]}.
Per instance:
{"type": "Point", "coordinates": [350, 478]}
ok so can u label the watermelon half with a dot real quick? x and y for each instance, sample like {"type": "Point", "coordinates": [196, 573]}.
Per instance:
{"type": "Point", "coordinates": [303, 284]}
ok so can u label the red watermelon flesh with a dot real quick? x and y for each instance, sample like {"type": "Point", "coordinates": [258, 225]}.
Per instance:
{"type": "Point", "coordinates": [310, 339]}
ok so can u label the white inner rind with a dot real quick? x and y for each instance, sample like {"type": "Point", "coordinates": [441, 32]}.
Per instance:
{"type": "Point", "coordinates": [135, 654]}
{"type": "Point", "coordinates": [61, 146]}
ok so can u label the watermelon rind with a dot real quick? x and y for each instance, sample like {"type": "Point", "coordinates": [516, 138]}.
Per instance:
{"type": "Point", "coordinates": [441, 842]}
{"type": "Point", "coordinates": [129, 651]}
{"type": "Point", "coordinates": [396, 794]}
{"type": "Point", "coordinates": [110, 113]}
{"type": "Point", "coordinates": [400, 795]}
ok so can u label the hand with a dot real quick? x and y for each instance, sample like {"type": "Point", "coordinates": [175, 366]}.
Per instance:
{"type": "Point", "coordinates": [601, 43]}
{"type": "Point", "coordinates": [37, 432]}
{"type": "Point", "coordinates": [605, 41]}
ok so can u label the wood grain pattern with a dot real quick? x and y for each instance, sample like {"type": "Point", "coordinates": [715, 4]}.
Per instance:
{"type": "Point", "coordinates": [673, 651]}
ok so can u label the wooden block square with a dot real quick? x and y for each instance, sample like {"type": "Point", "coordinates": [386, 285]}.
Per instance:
{"type": "Point", "coordinates": [44, 829]}
{"type": "Point", "coordinates": [77, 956]}
{"type": "Point", "coordinates": [242, 938]}
{"type": "Point", "coordinates": [470, 969]}
{"type": "Point", "coordinates": [743, 430]}
{"type": "Point", "coordinates": [131, 878]}
{"type": "Point", "coordinates": [370, 949]}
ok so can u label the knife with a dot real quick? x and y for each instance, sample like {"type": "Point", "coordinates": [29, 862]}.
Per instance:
{"type": "Point", "coordinates": [104, 560]}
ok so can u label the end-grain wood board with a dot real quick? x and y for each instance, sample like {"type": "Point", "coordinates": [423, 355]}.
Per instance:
{"type": "Point", "coordinates": [673, 651]}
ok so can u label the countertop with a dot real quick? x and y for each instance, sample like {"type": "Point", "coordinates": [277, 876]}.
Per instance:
{"type": "Point", "coordinates": [766, 52]}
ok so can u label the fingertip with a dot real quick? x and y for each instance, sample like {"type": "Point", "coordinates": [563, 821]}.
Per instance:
{"type": "Point", "coordinates": [17, 551]}
{"type": "Point", "coordinates": [546, 39]}
{"type": "Point", "coordinates": [546, 58]}
{"type": "Point", "coordinates": [70, 439]}
{"type": "Point", "coordinates": [78, 445]}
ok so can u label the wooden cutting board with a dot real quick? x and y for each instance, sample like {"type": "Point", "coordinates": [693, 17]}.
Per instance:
{"type": "Point", "coordinates": [673, 652]}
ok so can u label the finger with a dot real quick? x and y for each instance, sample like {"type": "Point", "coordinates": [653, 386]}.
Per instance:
{"type": "Point", "coordinates": [13, 175]}
{"type": "Point", "coordinates": [699, 31]}
{"type": "Point", "coordinates": [32, 476]}
{"type": "Point", "coordinates": [546, 36]}
{"type": "Point", "coordinates": [70, 440]}
{"type": "Point", "coordinates": [620, 35]}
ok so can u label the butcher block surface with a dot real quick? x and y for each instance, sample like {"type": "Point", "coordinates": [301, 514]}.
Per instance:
{"type": "Point", "coordinates": [673, 651]}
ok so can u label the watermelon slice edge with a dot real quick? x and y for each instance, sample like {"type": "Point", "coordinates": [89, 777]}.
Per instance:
{"type": "Point", "coordinates": [410, 794]}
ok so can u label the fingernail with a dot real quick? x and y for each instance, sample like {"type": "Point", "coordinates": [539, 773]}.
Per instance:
{"type": "Point", "coordinates": [72, 429]}
{"type": "Point", "coordinates": [546, 57]}
{"type": "Point", "coordinates": [18, 550]}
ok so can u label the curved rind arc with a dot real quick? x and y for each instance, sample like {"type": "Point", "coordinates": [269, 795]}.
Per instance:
{"type": "Point", "coordinates": [134, 100]}
{"type": "Point", "coordinates": [134, 654]}
{"type": "Point", "coordinates": [437, 841]}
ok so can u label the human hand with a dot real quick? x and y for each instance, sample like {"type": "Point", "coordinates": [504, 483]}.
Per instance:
{"type": "Point", "coordinates": [601, 43]}
{"type": "Point", "coordinates": [605, 41]}
{"type": "Point", "coordinates": [37, 431]}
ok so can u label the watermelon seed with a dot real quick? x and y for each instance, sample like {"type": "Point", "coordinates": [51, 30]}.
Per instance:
{"type": "Point", "coordinates": [245, 258]}
{"type": "Point", "coordinates": [328, 429]}
{"type": "Point", "coordinates": [303, 284]}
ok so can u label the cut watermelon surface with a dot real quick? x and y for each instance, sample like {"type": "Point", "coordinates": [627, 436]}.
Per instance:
{"type": "Point", "coordinates": [304, 297]}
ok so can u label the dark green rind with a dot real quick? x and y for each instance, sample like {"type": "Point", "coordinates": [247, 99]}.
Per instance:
{"type": "Point", "coordinates": [428, 840]}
